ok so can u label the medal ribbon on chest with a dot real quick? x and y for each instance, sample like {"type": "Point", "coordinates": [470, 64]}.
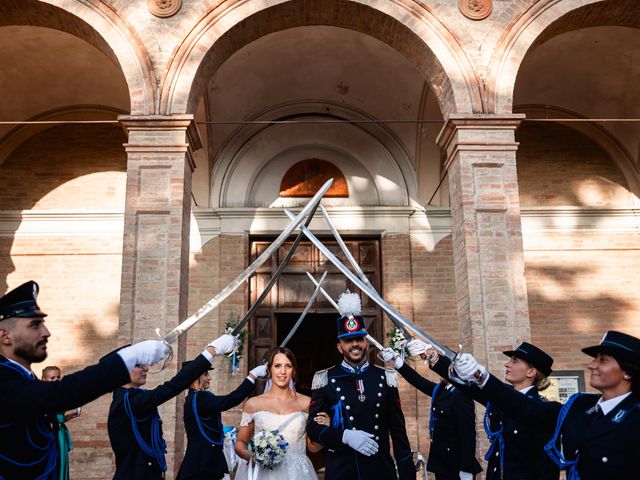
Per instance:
{"type": "Point", "coordinates": [360, 389]}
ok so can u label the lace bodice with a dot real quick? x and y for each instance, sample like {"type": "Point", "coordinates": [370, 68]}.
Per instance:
{"type": "Point", "coordinates": [291, 425]}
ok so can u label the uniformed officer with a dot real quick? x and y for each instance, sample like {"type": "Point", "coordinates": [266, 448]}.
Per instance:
{"type": "Point", "coordinates": [204, 458]}
{"type": "Point", "coordinates": [516, 450]}
{"type": "Point", "coordinates": [28, 440]}
{"type": "Point", "coordinates": [364, 406]}
{"type": "Point", "coordinates": [592, 436]}
{"type": "Point", "coordinates": [452, 424]}
{"type": "Point", "coordinates": [134, 425]}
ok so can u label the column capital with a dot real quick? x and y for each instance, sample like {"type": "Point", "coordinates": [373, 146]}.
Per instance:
{"type": "Point", "coordinates": [479, 133]}
{"type": "Point", "coordinates": [155, 133]}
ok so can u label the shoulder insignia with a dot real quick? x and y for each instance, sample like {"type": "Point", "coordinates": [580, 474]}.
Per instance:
{"type": "Point", "coordinates": [320, 379]}
{"type": "Point", "coordinates": [392, 378]}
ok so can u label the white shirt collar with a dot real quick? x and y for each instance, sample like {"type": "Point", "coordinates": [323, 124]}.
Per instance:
{"type": "Point", "coordinates": [607, 405]}
{"type": "Point", "coordinates": [29, 372]}
{"type": "Point", "coordinates": [526, 389]}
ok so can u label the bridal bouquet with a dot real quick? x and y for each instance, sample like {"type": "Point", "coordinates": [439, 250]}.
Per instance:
{"type": "Point", "coordinates": [269, 448]}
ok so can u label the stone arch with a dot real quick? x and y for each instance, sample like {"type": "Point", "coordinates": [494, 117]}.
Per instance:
{"type": "Point", "coordinates": [594, 131]}
{"type": "Point", "coordinates": [415, 34]}
{"type": "Point", "coordinates": [541, 21]}
{"type": "Point", "coordinates": [100, 26]}
{"type": "Point", "coordinates": [390, 181]}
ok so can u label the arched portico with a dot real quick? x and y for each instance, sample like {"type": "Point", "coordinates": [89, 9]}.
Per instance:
{"type": "Point", "coordinates": [102, 27]}
{"type": "Point", "coordinates": [420, 37]}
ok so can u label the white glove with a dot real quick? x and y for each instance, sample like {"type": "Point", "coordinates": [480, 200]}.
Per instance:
{"type": "Point", "coordinates": [469, 370]}
{"type": "Point", "coordinates": [466, 476]}
{"type": "Point", "coordinates": [389, 354]}
{"type": "Point", "coordinates": [417, 347]}
{"type": "Point", "coordinates": [148, 352]}
{"type": "Point", "coordinates": [224, 344]}
{"type": "Point", "coordinates": [259, 371]}
{"type": "Point", "coordinates": [361, 441]}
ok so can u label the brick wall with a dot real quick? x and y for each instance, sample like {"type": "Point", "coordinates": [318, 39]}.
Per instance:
{"type": "Point", "coordinates": [71, 168]}
{"type": "Point", "coordinates": [558, 165]}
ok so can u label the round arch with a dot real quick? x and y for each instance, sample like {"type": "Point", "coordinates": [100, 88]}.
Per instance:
{"type": "Point", "coordinates": [416, 34]}
{"type": "Point", "coordinates": [541, 21]}
{"type": "Point", "coordinates": [102, 27]}
{"type": "Point", "coordinates": [237, 170]}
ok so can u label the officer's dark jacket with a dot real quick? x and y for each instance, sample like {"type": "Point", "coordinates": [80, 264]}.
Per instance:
{"type": "Point", "coordinates": [380, 414]}
{"type": "Point", "coordinates": [453, 445]}
{"type": "Point", "coordinates": [29, 406]}
{"type": "Point", "coordinates": [607, 448]}
{"type": "Point", "coordinates": [202, 458]}
{"type": "Point", "coordinates": [524, 456]}
{"type": "Point", "coordinates": [131, 461]}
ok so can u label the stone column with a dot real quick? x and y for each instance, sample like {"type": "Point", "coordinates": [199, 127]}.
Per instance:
{"type": "Point", "coordinates": [155, 260]}
{"type": "Point", "coordinates": [491, 291]}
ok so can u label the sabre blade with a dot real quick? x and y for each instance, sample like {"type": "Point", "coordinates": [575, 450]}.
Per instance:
{"type": "Point", "coordinates": [347, 253]}
{"type": "Point", "coordinates": [240, 279]}
{"type": "Point", "coordinates": [369, 338]}
{"type": "Point", "coordinates": [305, 311]}
{"type": "Point", "coordinates": [324, 293]}
{"type": "Point", "coordinates": [450, 354]}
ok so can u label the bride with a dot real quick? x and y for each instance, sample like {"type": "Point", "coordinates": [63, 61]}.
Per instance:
{"type": "Point", "coordinates": [281, 408]}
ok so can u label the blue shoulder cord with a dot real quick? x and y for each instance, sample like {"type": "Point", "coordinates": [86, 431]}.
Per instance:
{"type": "Point", "coordinates": [158, 446]}
{"type": "Point", "coordinates": [50, 449]}
{"type": "Point", "coordinates": [495, 437]}
{"type": "Point", "coordinates": [554, 452]}
{"type": "Point", "coordinates": [194, 406]}
{"type": "Point", "coordinates": [432, 417]}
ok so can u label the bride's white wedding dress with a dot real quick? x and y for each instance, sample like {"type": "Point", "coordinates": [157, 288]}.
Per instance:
{"type": "Point", "coordinates": [293, 426]}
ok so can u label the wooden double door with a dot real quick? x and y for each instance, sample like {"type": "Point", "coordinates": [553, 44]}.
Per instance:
{"type": "Point", "coordinates": [314, 343]}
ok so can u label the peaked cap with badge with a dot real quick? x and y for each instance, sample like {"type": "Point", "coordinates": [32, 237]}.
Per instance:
{"type": "Point", "coordinates": [21, 302]}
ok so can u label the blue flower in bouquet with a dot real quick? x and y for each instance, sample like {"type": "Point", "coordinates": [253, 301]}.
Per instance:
{"type": "Point", "coordinates": [269, 448]}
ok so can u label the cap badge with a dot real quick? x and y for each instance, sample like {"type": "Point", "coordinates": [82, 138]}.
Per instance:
{"type": "Point", "coordinates": [351, 324]}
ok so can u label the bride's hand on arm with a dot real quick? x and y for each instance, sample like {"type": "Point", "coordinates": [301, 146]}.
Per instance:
{"type": "Point", "coordinates": [245, 432]}
{"type": "Point", "coordinates": [323, 419]}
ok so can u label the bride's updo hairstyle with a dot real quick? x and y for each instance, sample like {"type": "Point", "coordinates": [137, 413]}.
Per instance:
{"type": "Point", "coordinates": [287, 353]}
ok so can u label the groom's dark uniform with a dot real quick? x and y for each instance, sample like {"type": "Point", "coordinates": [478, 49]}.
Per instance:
{"type": "Point", "coordinates": [377, 411]}
{"type": "Point", "coordinates": [360, 398]}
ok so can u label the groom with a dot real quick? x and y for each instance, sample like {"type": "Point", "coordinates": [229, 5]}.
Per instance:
{"type": "Point", "coordinates": [364, 406]}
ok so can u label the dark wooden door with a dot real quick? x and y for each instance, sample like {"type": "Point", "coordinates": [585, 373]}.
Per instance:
{"type": "Point", "coordinates": [315, 342]}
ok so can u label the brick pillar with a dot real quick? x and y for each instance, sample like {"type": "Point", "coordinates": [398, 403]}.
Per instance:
{"type": "Point", "coordinates": [491, 292]}
{"type": "Point", "coordinates": [155, 260]}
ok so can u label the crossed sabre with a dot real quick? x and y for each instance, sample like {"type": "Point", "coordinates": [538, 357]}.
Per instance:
{"type": "Point", "coordinates": [394, 315]}
{"type": "Point", "coordinates": [307, 211]}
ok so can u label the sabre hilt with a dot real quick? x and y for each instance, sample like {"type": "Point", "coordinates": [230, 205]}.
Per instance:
{"type": "Point", "coordinates": [454, 376]}
{"type": "Point", "coordinates": [167, 360]}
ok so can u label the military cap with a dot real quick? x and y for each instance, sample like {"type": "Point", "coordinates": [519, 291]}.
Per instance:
{"type": "Point", "coordinates": [619, 345]}
{"type": "Point", "coordinates": [532, 355]}
{"type": "Point", "coordinates": [350, 323]}
{"type": "Point", "coordinates": [21, 302]}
